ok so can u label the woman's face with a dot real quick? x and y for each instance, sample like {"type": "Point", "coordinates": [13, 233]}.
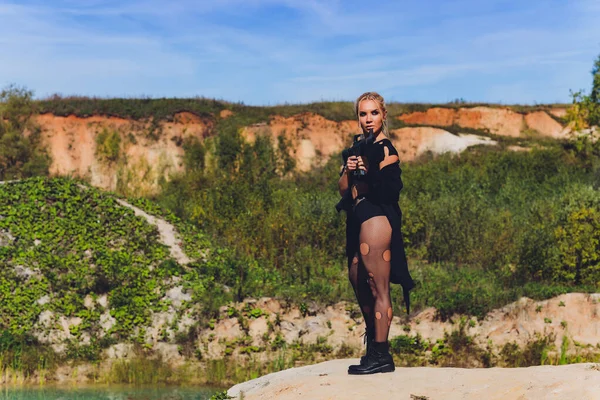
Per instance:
{"type": "Point", "coordinates": [370, 116]}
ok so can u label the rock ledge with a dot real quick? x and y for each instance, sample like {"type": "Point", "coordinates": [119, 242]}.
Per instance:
{"type": "Point", "coordinates": [329, 380]}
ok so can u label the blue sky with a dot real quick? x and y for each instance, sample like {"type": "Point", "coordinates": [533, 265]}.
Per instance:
{"type": "Point", "coordinates": [266, 52]}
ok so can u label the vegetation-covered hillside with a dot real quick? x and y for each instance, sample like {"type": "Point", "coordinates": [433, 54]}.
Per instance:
{"type": "Point", "coordinates": [72, 256]}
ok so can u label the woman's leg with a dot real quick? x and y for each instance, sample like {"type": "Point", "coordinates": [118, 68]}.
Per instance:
{"type": "Point", "coordinates": [375, 241]}
{"type": "Point", "coordinates": [359, 280]}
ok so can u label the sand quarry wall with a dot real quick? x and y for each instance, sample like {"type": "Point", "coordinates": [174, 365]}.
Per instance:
{"type": "Point", "coordinates": [498, 121]}
{"type": "Point", "coordinates": [147, 153]}
{"type": "Point", "coordinates": [150, 152]}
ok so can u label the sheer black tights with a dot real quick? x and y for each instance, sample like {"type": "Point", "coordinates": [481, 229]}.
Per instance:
{"type": "Point", "coordinates": [362, 290]}
{"type": "Point", "coordinates": [369, 274]}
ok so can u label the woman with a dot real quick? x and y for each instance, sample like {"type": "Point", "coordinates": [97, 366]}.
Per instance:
{"type": "Point", "coordinates": [370, 185]}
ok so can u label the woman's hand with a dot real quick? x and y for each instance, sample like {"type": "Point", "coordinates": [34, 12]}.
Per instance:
{"type": "Point", "coordinates": [354, 163]}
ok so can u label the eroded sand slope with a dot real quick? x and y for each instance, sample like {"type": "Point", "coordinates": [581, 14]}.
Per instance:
{"type": "Point", "coordinates": [147, 156]}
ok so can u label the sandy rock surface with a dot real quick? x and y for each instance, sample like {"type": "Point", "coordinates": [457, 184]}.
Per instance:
{"type": "Point", "coordinates": [571, 320]}
{"type": "Point", "coordinates": [329, 380]}
{"type": "Point", "coordinates": [545, 125]}
{"type": "Point", "coordinates": [146, 156]}
{"type": "Point", "coordinates": [559, 112]}
{"type": "Point", "coordinates": [169, 237]}
{"type": "Point", "coordinates": [414, 141]}
{"type": "Point", "coordinates": [313, 138]}
{"type": "Point", "coordinates": [499, 121]}
{"type": "Point", "coordinates": [71, 143]}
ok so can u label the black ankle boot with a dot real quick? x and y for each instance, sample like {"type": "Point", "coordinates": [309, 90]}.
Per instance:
{"type": "Point", "coordinates": [368, 340]}
{"type": "Point", "coordinates": [378, 359]}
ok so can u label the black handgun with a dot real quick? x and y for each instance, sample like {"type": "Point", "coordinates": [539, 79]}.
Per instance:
{"type": "Point", "coordinates": [359, 149]}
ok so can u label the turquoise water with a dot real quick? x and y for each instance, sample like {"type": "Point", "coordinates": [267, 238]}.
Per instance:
{"type": "Point", "coordinates": [108, 393]}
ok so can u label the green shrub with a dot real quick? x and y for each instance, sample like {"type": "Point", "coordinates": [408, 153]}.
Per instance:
{"type": "Point", "coordinates": [408, 345]}
{"type": "Point", "coordinates": [579, 246]}
{"type": "Point", "coordinates": [585, 111]}
{"type": "Point", "coordinates": [108, 145]}
{"type": "Point", "coordinates": [455, 289]}
{"type": "Point", "coordinates": [534, 353]}
{"type": "Point", "coordinates": [21, 154]}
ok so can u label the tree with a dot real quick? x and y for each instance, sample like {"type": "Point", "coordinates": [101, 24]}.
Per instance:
{"type": "Point", "coordinates": [229, 146]}
{"type": "Point", "coordinates": [16, 108]}
{"type": "Point", "coordinates": [595, 94]}
{"type": "Point", "coordinates": [20, 151]}
{"type": "Point", "coordinates": [585, 111]}
{"type": "Point", "coordinates": [579, 245]}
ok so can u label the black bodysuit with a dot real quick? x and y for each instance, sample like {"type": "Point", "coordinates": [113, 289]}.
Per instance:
{"type": "Point", "coordinates": [381, 198]}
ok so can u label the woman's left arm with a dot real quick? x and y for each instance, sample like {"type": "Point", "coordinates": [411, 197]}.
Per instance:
{"type": "Point", "coordinates": [389, 184]}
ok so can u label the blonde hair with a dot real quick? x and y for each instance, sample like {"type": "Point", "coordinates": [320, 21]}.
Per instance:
{"type": "Point", "coordinates": [376, 97]}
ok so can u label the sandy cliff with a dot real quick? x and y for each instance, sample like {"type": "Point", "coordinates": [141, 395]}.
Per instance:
{"type": "Point", "coordinates": [143, 159]}
{"type": "Point", "coordinates": [499, 121]}
{"type": "Point", "coordinates": [149, 152]}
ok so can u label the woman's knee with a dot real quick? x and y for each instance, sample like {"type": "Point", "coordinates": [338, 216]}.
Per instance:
{"type": "Point", "coordinates": [373, 286]}
{"type": "Point", "coordinates": [380, 285]}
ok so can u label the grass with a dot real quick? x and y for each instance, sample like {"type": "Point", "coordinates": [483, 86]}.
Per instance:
{"type": "Point", "coordinates": [166, 108]}
{"type": "Point", "coordinates": [145, 367]}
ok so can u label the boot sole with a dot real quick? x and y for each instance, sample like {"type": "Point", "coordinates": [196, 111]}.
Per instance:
{"type": "Point", "coordinates": [382, 369]}
{"type": "Point", "coordinates": [363, 361]}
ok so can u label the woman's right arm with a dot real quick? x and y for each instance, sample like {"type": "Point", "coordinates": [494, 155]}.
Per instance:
{"type": "Point", "coordinates": [352, 163]}
{"type": "Point", "coordinates": [343, 182]}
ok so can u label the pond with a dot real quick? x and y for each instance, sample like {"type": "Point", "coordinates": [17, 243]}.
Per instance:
{"type": "Point", "coordinates": [108, 393]}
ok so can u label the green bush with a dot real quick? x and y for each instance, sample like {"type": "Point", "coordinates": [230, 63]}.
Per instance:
{"type": "Point", "coordinates": [534, 353]}
{"type": "Point", "coordinates": [108, 145]}
{"type": "Point", "coordinates": [20, 152]}
{"type": "Point", "coordinates": [585, 111]}
{"type": "Point", "coordinates": [579, 246]}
